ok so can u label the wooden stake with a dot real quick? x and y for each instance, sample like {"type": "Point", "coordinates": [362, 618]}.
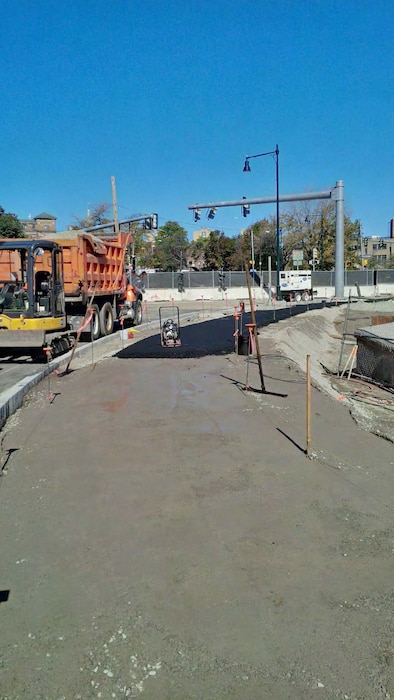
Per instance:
{"type": "Point", "coordinates": [308, 405]}
{"type": "Point", "coordinates": [350, 361]}
{"type": "Point", "coordinates": [253, 315]}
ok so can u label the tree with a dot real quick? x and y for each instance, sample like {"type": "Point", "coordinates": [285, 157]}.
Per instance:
{"type": "Point", "coordinates": [142, 249]}
{"type": "Point", "coordinates": [219, 250]}
{"type": "Point", "coordinates": [264, 243]}
{"type": "Point", "coordinates": [389, 265]}
{"type": "Point", "coordinates": [171, 244]}
{"type": "Point", "coordinates": [10, 226]}
{"type": "Point", "coordinates": [305, 228]}
{"type": "Point", "coordinates": [196, 252]}
{"type": "Point", "coordinates": [96, 217]}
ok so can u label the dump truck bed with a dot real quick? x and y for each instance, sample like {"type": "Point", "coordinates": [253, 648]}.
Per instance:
{"type": "Point", "coordinates": [92, 263]}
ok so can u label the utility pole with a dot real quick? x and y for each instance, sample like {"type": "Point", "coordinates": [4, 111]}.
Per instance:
{"type": "Point", "coordinates": [115, 206]}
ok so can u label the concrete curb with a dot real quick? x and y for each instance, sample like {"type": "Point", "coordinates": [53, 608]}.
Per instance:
{"type": "Point", "coordinates": [12, 399]}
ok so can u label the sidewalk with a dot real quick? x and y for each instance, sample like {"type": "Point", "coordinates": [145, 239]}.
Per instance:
{"type": "Point", "coordinates": [165, 536]}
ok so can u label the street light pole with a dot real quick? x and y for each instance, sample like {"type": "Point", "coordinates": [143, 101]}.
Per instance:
{"type": "Point", "coordinates": [246, 169]}
{"type": "Point", "coordinates": [278, 292]}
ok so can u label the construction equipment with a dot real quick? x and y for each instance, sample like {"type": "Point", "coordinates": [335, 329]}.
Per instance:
{"type": "Point", "coordinates": [296, 284]}
{"type": "Point", "coordinates": [46, 286]}
{"type": "Point", "coordinates": [170, 329]}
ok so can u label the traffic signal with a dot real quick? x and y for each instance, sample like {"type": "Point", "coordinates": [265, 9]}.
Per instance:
{"type": "Point", "coordinates": [148, 223]}
{"type": "Point", "coordinates": [245, 209]}
{"type": "Point", "coordinates": [155, 222]}
{"type": "Point", "coordinates": [222, 286]}
{"type": "Point", "coordinates": [211, 213]}
{"type": "Point", "coordinates": [197, 214]}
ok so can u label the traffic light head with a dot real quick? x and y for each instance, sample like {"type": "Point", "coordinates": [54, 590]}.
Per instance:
{"type": "Point", "coordinates": [245, 208]}
{"type": "Point", "coordinates": [197, 214]}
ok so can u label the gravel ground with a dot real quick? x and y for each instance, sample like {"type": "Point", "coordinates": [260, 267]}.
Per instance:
{"type": "Point", "coordinates": [164, 535]}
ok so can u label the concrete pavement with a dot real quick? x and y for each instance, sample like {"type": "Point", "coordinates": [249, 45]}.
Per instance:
{"type": "Point", "coordinates": [164, 535]}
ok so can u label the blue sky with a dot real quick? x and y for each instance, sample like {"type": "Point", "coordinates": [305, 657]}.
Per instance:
{"type": "Point", "coordinates": [169, 97]}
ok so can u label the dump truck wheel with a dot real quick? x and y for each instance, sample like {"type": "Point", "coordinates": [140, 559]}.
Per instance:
{"type": "Point", "coordinates": [306, 296]}
{"type": "Point", "coordinates": [95, 329]}
{"type": "Point", "coordinates": [138, 313]}
{"type": "Point", "coordinates": [106, 319]}
{"type": "Point", "coordinates": [298, 296]}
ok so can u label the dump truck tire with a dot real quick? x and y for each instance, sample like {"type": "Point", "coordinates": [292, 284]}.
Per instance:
{"type": "Point", "coordinates": [138, 313]}
{"type": "Point", "coordinates": [95, 329]}
{"type": "Point", "coordinates": [106, 319]}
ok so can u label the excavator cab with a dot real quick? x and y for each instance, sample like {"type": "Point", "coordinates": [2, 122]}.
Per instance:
{"type": "Point", "coordinates": [31, 291]}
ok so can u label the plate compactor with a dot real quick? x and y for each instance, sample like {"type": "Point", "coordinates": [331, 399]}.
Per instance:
{"type": "Point", "coordinates": [170, 328]}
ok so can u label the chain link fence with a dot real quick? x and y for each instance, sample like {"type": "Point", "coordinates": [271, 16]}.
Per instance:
{"type": "Point", "coordinates": [227, 279]}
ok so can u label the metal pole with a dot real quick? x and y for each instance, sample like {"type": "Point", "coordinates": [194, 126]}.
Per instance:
{"type": "Point", "coordinates": [261, 277]}
{"type": "Point", "coordinates": [361, 246]}
{"type": "Point", "coordinates": [114, 204]}
{"type": "Point", "coordinates": [321, 242]}
{"type": "Point", "coordinates": [339, 241]}
{"type": "Point", "coordinates": [308, 405]}
{"type": "Point", "coordinates": [252, 247]}
{"type": "Point", "coordinates": [269, 280]}
{"type": "Point", "coordinates": [278, 292]}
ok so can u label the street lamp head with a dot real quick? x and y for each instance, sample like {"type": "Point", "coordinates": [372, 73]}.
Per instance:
{"type": "Point", "coordinates": [246, 167]}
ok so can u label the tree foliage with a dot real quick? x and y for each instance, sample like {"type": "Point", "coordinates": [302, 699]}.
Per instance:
{"type": "Point", "coordinates": [305, 227]}
{"type": "Point", "coordinates": [171, 246]}
{"type": "Point", "coordinates": [263, 235]}
{"type": "Point", "coordinates": [97, 216]}
{"type": "Point", "coordinates": [218, 251]}
{"type": "Point", "coordinates": [10, 226]}
{"type": "Point", "coordinates": [142, 249]}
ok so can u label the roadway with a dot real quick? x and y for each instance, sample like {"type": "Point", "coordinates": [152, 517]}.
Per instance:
{"type": "Point", "coordinates": [19, 373]}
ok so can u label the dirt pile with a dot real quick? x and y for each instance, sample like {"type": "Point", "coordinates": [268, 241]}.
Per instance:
{"type": "Point", "coordinates": [318, 334]}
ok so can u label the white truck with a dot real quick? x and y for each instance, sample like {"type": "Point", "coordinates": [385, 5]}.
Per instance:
{"type": "Point", "coordinates": [296, 285]}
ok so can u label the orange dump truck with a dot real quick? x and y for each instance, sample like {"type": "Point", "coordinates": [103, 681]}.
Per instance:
{"type": "Point", "coordinates": [94, 270]}
{"type": "Point", "coordinates": [46, 287]}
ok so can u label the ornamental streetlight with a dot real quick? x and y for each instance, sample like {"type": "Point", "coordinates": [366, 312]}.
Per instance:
{"type": "Point", "coordinates": [247, 169]}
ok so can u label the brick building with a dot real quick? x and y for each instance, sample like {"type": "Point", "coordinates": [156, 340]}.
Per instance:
{"type": "Point", "coordinates": [41, 224]}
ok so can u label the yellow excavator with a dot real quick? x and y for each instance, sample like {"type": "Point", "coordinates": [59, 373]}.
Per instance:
{"type": "Point", "coordinates": [32, 303]}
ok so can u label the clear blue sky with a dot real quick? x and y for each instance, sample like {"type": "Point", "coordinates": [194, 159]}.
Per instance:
{"type": "Point", "coordinates": [169, 97]}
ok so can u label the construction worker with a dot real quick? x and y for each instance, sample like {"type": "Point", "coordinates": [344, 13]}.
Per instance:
{"type": "Point", "coordinates": [130, 295]}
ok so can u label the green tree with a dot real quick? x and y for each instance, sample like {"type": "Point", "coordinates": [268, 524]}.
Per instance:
{"type": "Point", "coordinates": [196, 252]}
{"type": "Point", "coordinates": [389, 265]}
{"type": "Point", "coordinates": [219, 250]}
{"type": "Point", "coordinates": [264, 243]}
{"type": "Point", "coordinates": [171, 245]}
{"type": "Point", "coordinates": [10, 226]}
{"type": "Point", "coordinates": [305, 227]}
{"type": "Point", "coordinates": [142, 249]}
